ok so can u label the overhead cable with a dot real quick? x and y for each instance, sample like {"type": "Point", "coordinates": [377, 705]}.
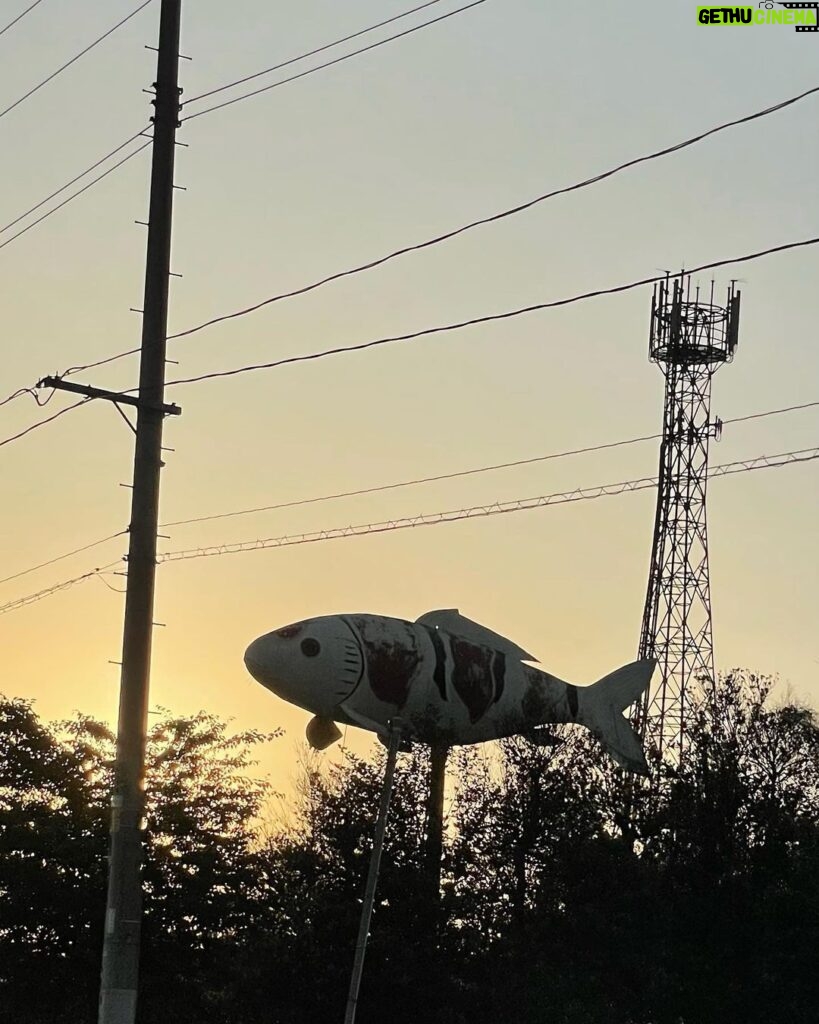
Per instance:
{"type": "Point", "coordinates": [477, 511]}
{"type": "Point", "coordinates": [17, 394]}
{"type": "Point", "coordinates": [221, 88]}
{"type": "Point", "coordinates": [406, 483]}
{"type": "Point", "coordinates": [68, 554]}
{"type": "Point", "coordinates": [310, 53]}
{"type": "Point", "coordinates": [330, 63]}
{"type": "Point", "coordinates": [425, 332]}
{"type": "Point", "coordinates": [437, 239]}
{"type": "Point", "coordinates": [19, 16]}
{"type": "Point", "coordinates": [74, 195]}
{"type": "Point", "coordinates": [499, 508]}
{"type": "Point", "coordinates": [74, 59]}
{"type": "Point", "coordinates": [469, 472]}
{"type": "Point", "coordinates": [21, 602]}
{"type": "Point", "coordinates": [487, 318]}
{"type": "Point", "coordinates": [74, 180]}
{"type": "Point", "coordinates": [42, 423]}
{"type": "Point", "coordinates": [511, 211]}
{"type": "Point", "coordinates": [410, 483]}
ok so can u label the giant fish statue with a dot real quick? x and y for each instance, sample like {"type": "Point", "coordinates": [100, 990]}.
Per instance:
{"type": "Point", "coordinates": [446, 679]}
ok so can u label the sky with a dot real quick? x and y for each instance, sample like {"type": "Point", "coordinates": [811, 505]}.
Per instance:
{"type": "Point", "coordinates": [467, 117]}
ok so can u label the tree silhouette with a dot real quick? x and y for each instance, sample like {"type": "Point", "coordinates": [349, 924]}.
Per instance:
{"type": "Point", "coordinates": [700, 904]}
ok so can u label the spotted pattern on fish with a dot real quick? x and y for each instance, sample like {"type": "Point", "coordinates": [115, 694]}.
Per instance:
{"type": "Point", "coordinates": [472, 675]}
{"type": "Point", "coordinates": [571, 696]}
{"type": "Point", "coordinates": [391, 661]}
{"type": "Point", "coordinates": [499, 674]}
{"type": "Point", "coordinates": [439, 673]}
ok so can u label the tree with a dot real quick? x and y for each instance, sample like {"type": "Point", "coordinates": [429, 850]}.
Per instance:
{"type": "Point", "coordinates": [701, 905]}
{"type": "Point", "coordinates": [200, 862]}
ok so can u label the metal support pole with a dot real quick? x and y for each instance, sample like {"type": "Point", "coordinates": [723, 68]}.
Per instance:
{"type": "Point", "coordinates": [438, 754]}
{"type": "Point", "coordinates": [372, 876]}
{"type": "Point", "coordinates": [120, 957]}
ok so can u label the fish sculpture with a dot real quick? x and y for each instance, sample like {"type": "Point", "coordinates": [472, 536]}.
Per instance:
{"type": "Point", "coordinates": [447, 679]}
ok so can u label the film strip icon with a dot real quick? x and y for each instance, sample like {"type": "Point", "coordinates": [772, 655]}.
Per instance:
{"type": "Point", "coordinates": [805, 7]}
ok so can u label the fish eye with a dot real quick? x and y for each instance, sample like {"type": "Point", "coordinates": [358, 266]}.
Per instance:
{"type": "Point", "coordinates": [310, 647]}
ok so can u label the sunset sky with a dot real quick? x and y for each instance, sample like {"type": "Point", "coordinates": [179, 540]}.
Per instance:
{"type": "Point", "coordinates": [478, 113]}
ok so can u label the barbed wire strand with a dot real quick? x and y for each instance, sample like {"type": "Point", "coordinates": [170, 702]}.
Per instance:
{"type": "Point", "coordinates": [478, 511]}
{"type": "Point", "coordinates": [21, 602]}
{"type": "Point", "coordinates": [468, 472]}
{"type": "Point", "coordinates": [434, 519]}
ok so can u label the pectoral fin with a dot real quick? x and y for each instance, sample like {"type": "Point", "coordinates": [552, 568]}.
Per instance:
{"type": "Point", "coordinates": [322, 733]}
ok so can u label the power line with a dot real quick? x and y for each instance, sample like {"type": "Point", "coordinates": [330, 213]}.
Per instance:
{"type": "Point", "coordinates": [19, 16]}
{"type": "Point", "coordinates": [100, 362]}
{"type": "Point", "coordinates": [21, 602]}
{"type": "Point", "coordinates": [221, 88]}
{"type": "Point", "coordinates": [469, 472]}
{"type": "Point", "coordinates": [68, 554]}
{"type": "Point", "coordinates": [117, 590]}
{"type": "Point", "coordinates": [478, 511]}
{"type": "Point", "coordinates": [27, 391]}
{"type": "Point", "coordinates": [615, 289]}
{"type": "Point", "coordinates": [488, 318]}
{"type": "Point", "coordinates": [42, 423]}
{"type": "Point", "coordinates": [330, 63]}
{"type": "Point", "coordinates": [74, 180]}
{"type": "Point", "coordinates": [771, 412]}
{"type": "Point", "coordinates": [437, 239]}
{"type": "Point", "coordinates": [511, 211]}
{"type": "Point", "coordinates": [74, 59]}
{"type": "Point", "coordinates": [79, 192]}
{"type": "Point", "coordinates": [409, 483]}
{"type": "Point", "coordinates": [311, 53]}
{"type": "Point", "coordinates": [18, 394]}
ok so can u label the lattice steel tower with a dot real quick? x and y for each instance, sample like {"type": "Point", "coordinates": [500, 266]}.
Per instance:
{"type": "Point", "coordinates": [690, 340]}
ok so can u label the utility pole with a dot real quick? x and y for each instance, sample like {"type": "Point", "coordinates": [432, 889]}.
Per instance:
{"type": "Point", "coordinates": [120, 956]}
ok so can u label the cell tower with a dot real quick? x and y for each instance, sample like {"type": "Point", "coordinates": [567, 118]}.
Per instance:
{"type": "Point", "coordinates": [690, 340]}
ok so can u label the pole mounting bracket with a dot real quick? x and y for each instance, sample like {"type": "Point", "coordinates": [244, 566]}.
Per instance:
{"type": "Point", "coordinates": [117, 397]}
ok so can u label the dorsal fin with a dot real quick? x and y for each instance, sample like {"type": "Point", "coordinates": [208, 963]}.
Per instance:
{"type": "Point", "coordinates": [451, 621]}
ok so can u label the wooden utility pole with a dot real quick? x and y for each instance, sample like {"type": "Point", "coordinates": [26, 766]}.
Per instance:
{"type": "Point", "coordinates": [120, 957]}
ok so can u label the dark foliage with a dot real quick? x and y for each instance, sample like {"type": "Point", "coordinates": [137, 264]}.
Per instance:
{"type": "Point", "coordinates": [700, 905]}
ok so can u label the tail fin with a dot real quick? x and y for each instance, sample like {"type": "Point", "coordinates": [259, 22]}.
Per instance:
{"type": "Point", "coordinates": [601, 707]}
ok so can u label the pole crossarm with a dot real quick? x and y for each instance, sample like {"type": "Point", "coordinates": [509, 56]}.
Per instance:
{"type": "Point", "coordinates": [110, 396]}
